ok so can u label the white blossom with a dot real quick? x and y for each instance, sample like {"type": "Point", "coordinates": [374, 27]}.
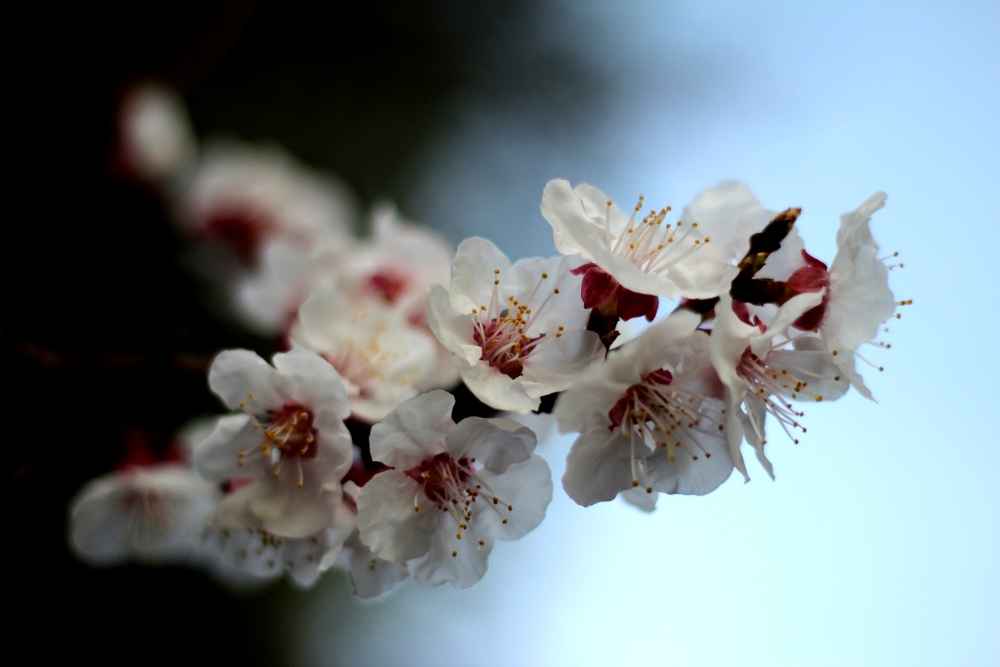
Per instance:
{"type": "Point", "coordinates": [292, 441]}
{"type": "Point", "coordinates": [150, 514]}
{"type": "Point", "coordinates": [517, 332]}
{"type": "Point", "coordinates": [246, 196]}
{"type": "Point", "coordinates": [691, 258]}
{"type": "Point", "coordinates": [649, 418]}
{"type": "Point", "coordinates": [380, 355]}
{"type": "Point", "coordinates": [452, 490]}
{"type": "Point", "coordinates": [858, 298]}
{"type": "Point", "coordinates": [762, 366]}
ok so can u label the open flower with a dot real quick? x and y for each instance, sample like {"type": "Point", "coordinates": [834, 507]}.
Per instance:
{"type": "Point", "coordinates": [396, 264]}
{"type": "Point", "coordinates": [247, 196]}
{"type": "Point", "coordinates": [857, 296]}
{"type": "Point", "coordinates": [151, 514]}
{"type": "Point", "coordinates": [762, 366]}
{"type": "Point", "coordinates": [691, 258]}
{"type": "Point", "coordinates": [517, 332]}
{"type": "Point", "coordinates": [452, 492]}
{"type": "Point", "coordinates": [650, 418]}
{"type": "Point", "coordinates": [292, 441]}
{"type": "Point", "coordinates": [380, 355]}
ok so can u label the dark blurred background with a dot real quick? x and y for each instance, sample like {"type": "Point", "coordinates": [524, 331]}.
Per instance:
{"type": "Point", "coordinates": [104, 338]}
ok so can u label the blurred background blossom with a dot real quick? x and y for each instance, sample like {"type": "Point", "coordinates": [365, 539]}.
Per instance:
{"type": "Point", "coordinates": [877, 543]}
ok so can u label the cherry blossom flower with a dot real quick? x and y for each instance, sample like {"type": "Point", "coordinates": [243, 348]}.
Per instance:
{"type": "Point", "coordinates": [649, 418]}
{"type": "Point", "coordinates": [247, 197]}
{"type": "Point", "coordinates": [150, 514]}
{"type": "Point", "coordinates": [761, 365]}
{"type": "Point", "coordinates": [691, 258]}
{"type": "Point", "coordinates": [517, 332]}
{"type": "Point", "coordinates": [380, 356]}
{"type": "Point", "coordinates": [857, 298]}
{"type": "Point", "coordinates": [396, 264]}
{"type": "Point", "coordinates": [291, 441]}
{"type": "Point", "coordinates": [453, 490]}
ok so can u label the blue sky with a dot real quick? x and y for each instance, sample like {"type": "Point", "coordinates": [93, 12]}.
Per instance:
{"type": "Point", "coordinates": [878, 542]}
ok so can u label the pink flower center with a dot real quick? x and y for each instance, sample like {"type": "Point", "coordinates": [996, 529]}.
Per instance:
{"type": "Point", "coordinates": [454, 486]}
{"type": "Point", "coordinates": [779, 374]}
{"type": "Point", "coordinates": [504, 347]}
{"type": "Point", "coordinates": [503, 334]}
{"type": "Point", "coordinates": [810, 278]}
{"type": "Point", "coordinates": [240, 226]}
{"type": "Point", "coordinates": [289, 435]}
{"type": "Point", "coordinates": [654, 412]}
{"type": "Point", "coordinates": [388, 285]}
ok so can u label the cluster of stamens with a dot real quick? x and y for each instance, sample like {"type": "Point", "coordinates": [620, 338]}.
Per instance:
{"type": "Point", "coordinates": [288, 435]}
{"type": "Point", "coordinates": [776, 376]}
{"type": "Point", "coordinates": [502, 329]}
{"type": "Point", "coordinates": [454, 486]}
{"type": "Point", "coordinates": [649, 243]}
{"type": "Point", "coordinates": [656, 413]}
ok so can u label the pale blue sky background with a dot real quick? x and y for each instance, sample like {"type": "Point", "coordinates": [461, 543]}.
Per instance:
{"type": "Point", "coordinates": [879, 542]}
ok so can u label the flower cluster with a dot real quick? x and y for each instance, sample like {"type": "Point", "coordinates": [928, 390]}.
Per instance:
{"type": "Point", "coordinates": [373, 440]}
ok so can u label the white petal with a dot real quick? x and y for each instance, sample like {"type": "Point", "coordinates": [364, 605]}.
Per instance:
{"type": "Point", "coordinates": [218, 456]}
{"type": "Point", "coordinates": [371, 576]}
{"type": "Point", "coordinates": [688, 476]}
{"type": "Point", "coordinates": [598, 466]}
{"type": "Point", "coordinates": [638, 498]}
{"type": "Point", "coordinates": [387, 521]}
{"type": "Point", "coordinates": [494, 443]}
{"type": "Point", "coordinates": [316, 384]}
{"type": "Point", "coordinates": [526, 487]}
{"type": "Point", "coordinates": [453, 329]}
{"type": "Point", "coordinates": [240, 377]}
{"type": "Point", "coordinates": [571, 222]}
{"type": "Point", "coordinates": [415, 431]}
{"type": "Point", "coordinates": [438, 565]}
{"type": "Point", "coordinates": [474, 270]}
{"type": "Point", "coordinates": [728, 214]}
{"type": "Point", "coordinates": [499, 391]}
